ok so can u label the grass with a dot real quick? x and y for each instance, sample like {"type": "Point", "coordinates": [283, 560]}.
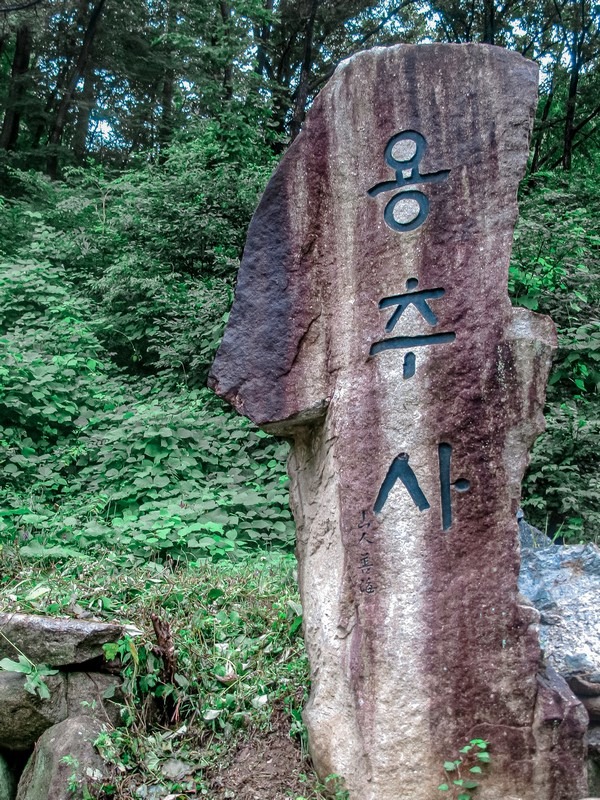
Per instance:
{"type": "Point", "coordinates": [240, 678]}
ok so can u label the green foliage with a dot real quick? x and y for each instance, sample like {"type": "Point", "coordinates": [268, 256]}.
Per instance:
{"type": "Point", "coordinates": [35, 674]}
{"type": "Point", "coordinates": [240, 660]}
{"type": "Point", "coordinates": [108, 436]}
{"type": "Point", "coordinates": [562, 486]}
{"type": "Point", "coordinates": [126, 486]}
{"type": "Point", "coordinates": [471, 761]}
{"type": "Point", "coordinates": [556, 270]}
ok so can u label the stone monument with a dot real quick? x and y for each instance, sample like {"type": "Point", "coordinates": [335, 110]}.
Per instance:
{"type": "Point", "coordinates": [372, 327]}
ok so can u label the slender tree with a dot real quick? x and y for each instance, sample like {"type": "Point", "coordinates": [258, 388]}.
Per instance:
{"type": "Point", "coordinates": [56, 134]}
{"type": "Point", "coordinates": [20, 68]}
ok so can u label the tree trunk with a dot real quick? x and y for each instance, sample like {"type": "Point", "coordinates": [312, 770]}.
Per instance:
{"type": "Point", "coordinates": [303, 85]}
{"type": "Point", "coordinates": [262, 36]}
{"type": "Point", "coordinates": [20, 67]}
{"type": "Point", "coordinates": [538, 142]}
{"type": "Point", "coordinates": [66, 101]}
{"type": "Point", "coordinates": [569, 134]}
{"type": "Point", "coordinates": [166, 124]}
{"type": "Point", "coordinates": [68, 47]}
{"type": "Point", "coordinates": [228, 71]}
{"type": "Point", "coordinates": [85, 105]}
{"type": "Point", "coordinates": [489, 22]}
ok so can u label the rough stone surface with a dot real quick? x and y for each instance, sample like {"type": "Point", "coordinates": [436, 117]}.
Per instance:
{"type": "Point", "coordinates": [530, 536]}
{"type": "Point", "coordinates": [415, 633]}
{"type": "Point", "coordinates": [47, 776]}
{"type": "Point", "coordinates": [581, 685]}
{"type": "Point", "coordinates": [85, 696]}
{"type": "Point", "coordinates": [24, 716]}
{"type": "Point", "coordinates": [593, 739]}
{"type": "Point", "coordinates": [57, 642]}
{"type": "Point", "coordinates": [559, 716]}
{"type": "Point", "coordinates": [563, 583]}
{"type": "Point", "coordinates": [592, 706]}
{"type": "Point", "coordinates": [8, 782]}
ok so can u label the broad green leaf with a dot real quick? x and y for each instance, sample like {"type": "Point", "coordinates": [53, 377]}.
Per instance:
{"type": "Point", "coordinates": [9, 665]}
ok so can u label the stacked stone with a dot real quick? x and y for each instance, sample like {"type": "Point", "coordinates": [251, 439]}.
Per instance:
{"type": "Point", "coordinates": [40, 733]}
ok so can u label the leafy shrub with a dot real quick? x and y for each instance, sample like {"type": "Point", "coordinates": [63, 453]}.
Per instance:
{"type": "Point", "coordinates": [154, 465]}
{"type": "Point", "coordinates": [555, 270]}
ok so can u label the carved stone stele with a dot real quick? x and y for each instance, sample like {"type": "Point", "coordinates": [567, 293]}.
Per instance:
{"type": "Point", "coordinates": [372, 326]}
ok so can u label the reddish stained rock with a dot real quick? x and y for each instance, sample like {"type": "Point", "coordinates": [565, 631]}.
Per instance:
{"type": "Point", "coordinates": [406, 469]}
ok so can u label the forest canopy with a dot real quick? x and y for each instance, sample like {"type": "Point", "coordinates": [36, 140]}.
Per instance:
{"type": "Point", "coordinates": [122, 80]}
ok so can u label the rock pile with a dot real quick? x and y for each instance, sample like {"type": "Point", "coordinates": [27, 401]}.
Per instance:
{"type": "Point", "coordinates": [46, 745]}
{"type": "Point", "coordinates": [563, 583]}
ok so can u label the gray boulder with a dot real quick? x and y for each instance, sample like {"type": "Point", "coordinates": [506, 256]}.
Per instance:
{"type": "Point", "coordinates": [64, 761]}
{"type": "Point", "coordinates": [94, 694]}
{"type": "Point", "coordinates": [594, 741]}
{"type": "Point", "coordinates": [594, 759]}
{"type": "Point", "coordinates": [57, 642]}
{"type": "Point", "coordinates": [25, 716]}
{"type": "Point", "coordinates": [530, 536]}
{"type": "Point", "coordinates": [592, 706]}
{"type": "Point", "coordinates": [563, 583]}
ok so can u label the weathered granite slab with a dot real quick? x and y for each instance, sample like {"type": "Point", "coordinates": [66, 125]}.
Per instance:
{"type": "Point", "coordinates": [53, 641]}
{"type": "Point", "coordinates": [94, 694]}
{"type": "Point", "coordinates": [372, 325]}
{"type": "Point", "coordinates": [563, 583]}
{"type": "Point", "coordinates": [8, 780]}
{"type": "Point", "coordinates": [64, 763]}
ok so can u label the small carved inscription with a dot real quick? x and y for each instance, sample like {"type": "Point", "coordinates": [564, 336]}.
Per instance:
{"type": "Point", "coordinates": [366, 585]}
{"type": "Point", "coordinates": [459, 485]}
{"type": "Point", "coordinates": [407, 210]}
{"type": "Point", "coordinates": [402, 471]}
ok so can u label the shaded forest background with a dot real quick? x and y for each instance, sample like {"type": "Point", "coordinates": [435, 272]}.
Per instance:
{"type": "Point", "coordinates": [136, 137]}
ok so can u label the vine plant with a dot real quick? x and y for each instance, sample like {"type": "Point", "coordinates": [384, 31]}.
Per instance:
{"type": "Point", "coordinates": [462, 773]}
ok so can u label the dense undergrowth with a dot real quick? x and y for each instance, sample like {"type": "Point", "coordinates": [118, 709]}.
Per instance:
{"type": "Point", "coordinates": [555, 270]}
{"type": "Point", "coordinates": [113, 296]}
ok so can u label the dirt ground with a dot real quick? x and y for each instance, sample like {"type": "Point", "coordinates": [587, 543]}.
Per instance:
{"type": "Point", "coordinates": [268, 766]}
